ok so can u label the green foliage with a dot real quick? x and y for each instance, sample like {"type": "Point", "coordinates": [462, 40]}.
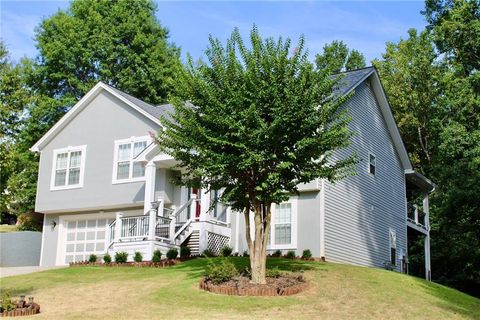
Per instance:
{"type": "Point", "coordinates": [208, 253]}
{"type": "Point", "coordinates": [107, 258]}
{"type": "Point", "coordinates": [157, 256]}
{"type": "Point", "coordinates": [277, 253]}
{"type": "Point", "coordinates": [306, 254]}
{"type": "Point", "coordinates": [185, 252]}
{"type": "Point", "coordinates": [226, 251]}
{"type": "Point", "coordinates": [219, 271]}
{"type": "Point", "coordinates": [92, 258]}
{"type": "Point", "coordinates": [172, 253]}
{"type": "Point", "coordinates": [290, 254]}
{"type": "Point", "coordinates": [121, 257]}
{"type": "Point", "coordinates": [336, 57]}
{"type": "Point", "coordinates": [274, 273]}
{"type": "Point", "coordinates": [245, 253]}
{"type": "Point", "coordinates": [6, 304]}
{"type": "Point", "coordinates": [138, 257]}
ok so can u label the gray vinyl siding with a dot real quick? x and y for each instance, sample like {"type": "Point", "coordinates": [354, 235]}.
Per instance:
{"type": "Point", "coordinates": [360, 209]}
{"type": "Point", "coordinates": [104, 120]}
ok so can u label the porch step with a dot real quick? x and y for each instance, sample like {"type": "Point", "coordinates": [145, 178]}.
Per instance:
{"type": "Point", "coordinates": [193, 242]}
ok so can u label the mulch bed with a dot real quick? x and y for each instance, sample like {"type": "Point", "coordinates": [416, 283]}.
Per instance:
{"type": "Point", "coordinates": [241, 286]}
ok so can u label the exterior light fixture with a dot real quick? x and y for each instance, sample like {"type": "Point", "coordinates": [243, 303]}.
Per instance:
{"type": "Point", "coordinates": [53, 224]}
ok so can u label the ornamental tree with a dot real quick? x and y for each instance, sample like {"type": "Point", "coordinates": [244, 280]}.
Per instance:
{"type": "Point", "coordinates": [255, 122]}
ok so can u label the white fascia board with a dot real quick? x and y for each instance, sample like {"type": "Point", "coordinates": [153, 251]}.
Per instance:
{"type": "Point", "coordinates": [82, 103]}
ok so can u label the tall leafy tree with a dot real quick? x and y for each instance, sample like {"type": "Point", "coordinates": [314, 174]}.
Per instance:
{"type": "Point", "coordinates": [338, 57]}
{"type": "Point", "coordinates": [258, 121]}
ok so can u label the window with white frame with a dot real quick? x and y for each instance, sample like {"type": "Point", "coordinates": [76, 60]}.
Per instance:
{"type": "Point", "coordinates": [283, 233]}
{"type": "Point", "coordinates": [372, 163]}
{"type": "Point", "coordinates": [393, 247]}
{"type": "Point", "coordinates": [68, 168]}
{"type": "Point", "coordinates": [124, 168]}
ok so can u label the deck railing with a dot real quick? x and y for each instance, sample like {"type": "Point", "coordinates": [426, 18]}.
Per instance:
{"type": "Point", "coordinates": [134, 227]}
{"type": "Point", "coordinates": [162, 228]}
{"type": "Point", "coordinates": [415, 214]}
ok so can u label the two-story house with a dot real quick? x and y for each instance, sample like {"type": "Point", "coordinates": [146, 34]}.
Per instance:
{"type": "Point", "coordinates": [104, 186]}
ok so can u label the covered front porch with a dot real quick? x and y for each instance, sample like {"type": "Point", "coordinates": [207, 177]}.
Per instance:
{"type": "Point", "coordinates": [418, 189]}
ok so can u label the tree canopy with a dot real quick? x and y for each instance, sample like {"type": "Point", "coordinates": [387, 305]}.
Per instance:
{"type": "Point", "coordinates": [259, 121]}
{"type": "Point", "coordinates": [338, 57]}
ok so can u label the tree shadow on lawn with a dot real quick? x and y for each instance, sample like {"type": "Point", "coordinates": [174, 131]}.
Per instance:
{"type": "Point", "coordinates": [195, 268]}
{"type": "Point", "coordinates": [452, 299]}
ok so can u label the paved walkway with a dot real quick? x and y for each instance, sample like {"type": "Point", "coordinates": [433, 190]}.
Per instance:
{"type": "Point", "coordinates": [15, 271]}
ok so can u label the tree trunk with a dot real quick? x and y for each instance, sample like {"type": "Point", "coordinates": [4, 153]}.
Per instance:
{"type": "Point", "coordinates": [258, 246]}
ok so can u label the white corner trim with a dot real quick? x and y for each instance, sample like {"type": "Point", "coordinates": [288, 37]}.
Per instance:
{"type": "Point", "coordinates": [79, 106]}
{"type": "Point", "coordinates": [322, 218]}
{"type": "Point", "coordinates": [68, 150]}
{"type": "Point", "coordinates": [43, 239]}
{"type": "Point", "coordinates": [116, 145]}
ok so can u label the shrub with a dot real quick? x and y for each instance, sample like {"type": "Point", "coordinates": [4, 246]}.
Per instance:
{"type": "Point", "coordinates": [245, 253]}
{"type": "Point", "coordinates": [157, 256]}
{"type": "Point", "coordinates": [277, 254]}
{"type": "Point", "coordinates": [218, 272]}
{"type": "Point", "coordinates": [273, 273]}
{"type": "Point", "coordinates": [138, 257]}
{"type": "Point", "coordinates": [185, 252]}
{"type": "Point", "coordinates": [107, 258]}
{"type": "Point", "coordinates": [92, 258]}
{"type": "Point", "coordinates": [172, 253]}
{"type": "Point", "coordinates": [209, 253]}
{"type": "Point", "coordinates": [307, 254]}
{"type": "Point", "coordinates": [290, 254]}
{"type": "Point", "coordinates": [121, 257]}
{"type": "Point", "coordinates": [226, 251]}
{"type": "Point", "coordinates": [6, 303]}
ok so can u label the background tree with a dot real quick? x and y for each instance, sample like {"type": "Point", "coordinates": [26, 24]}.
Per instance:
{"type": "Point", "coordinates": [257, 123]}
{"type": "Point", "coordinates": [118, 42]}
{"type": "Point", "coordinates": [337, 58]}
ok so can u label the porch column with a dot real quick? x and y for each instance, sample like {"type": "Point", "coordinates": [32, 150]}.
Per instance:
{"type": "Point", "coordinates": [150, 173]}
{"type": "Point", "coordinates": [426, 209]}
{"type": "Point", "coordinates": [152, 221]}
{"type": "Point", "coordinates": [118, 226]}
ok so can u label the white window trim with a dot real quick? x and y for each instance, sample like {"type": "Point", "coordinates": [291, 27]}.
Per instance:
{"type": "Point", "coordinates": [390, 245]}
{"type": "Point", "coordinates": [375, 164]}
{"type": "Point", "coordinates": [68, 149]}
{"type": "Point", "coordinates": [289, 246]}
{"type": "Point", "coordinates": [117, 143]}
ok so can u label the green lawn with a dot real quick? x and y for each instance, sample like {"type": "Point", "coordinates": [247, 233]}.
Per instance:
{"type": "Point", "coordinates": [4, 228]}
{"type": "Point", "coordinates": [336, 292]}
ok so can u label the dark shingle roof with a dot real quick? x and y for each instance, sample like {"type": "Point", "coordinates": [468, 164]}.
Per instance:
{"type": "Point", "coordinates": [155, 111]}
{"type": "Point", "coordinates": [350, 79]}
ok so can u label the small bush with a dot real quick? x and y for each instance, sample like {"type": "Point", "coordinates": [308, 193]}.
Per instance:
{"type": "Point", "coordinates": [218, 272]}
{"type": "Point", "coordinates": [273, 273]}
{"type": "Point", "coordinates": [121, 257]}
{"type": "Point", "coordinates": [226, 251]}
{"type": "Point", "coordinates": [157, 256]}
{"type": "Point", "coordinates": [185, 252]}
{"type": "Point", "coordinates": [208, 253]}
{"type": "Point", "coordinates": [245, 253]}
{"type": "Point", "coordinates": [172, 253]}
{"type": "Point", "coordinates": [277, 254]}
{"type": "Point", "coordinates": [107, 258]}
{"type": "Point", "coordinates": [6, 303]}
{"type": "Point", "coordinates": [290, 254]}
{"type": "Point", "coordinates": [307, 254]}
{"type": "Point", "coordinates": [92, 258]}
{"type": "Point", "coordinates": [138, 257]}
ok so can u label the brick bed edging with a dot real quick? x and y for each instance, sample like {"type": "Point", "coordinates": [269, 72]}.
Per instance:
{"type": "Point", "coordinates": [161, 264]}
{"type": "Point", "coordinates": [255, 291]}
{"type": "Point", "coordinates": [20, 312]}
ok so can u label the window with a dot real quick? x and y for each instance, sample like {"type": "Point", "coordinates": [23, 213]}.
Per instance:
{"type": "Point", "coordinates": [124, 168]}
{"type": "Point", "coordinates": [393, 247]}
{"type": "Point", "coordinates": [283, 232]}
{"type": "Point", "coordinates": [372, 163]}
{"type": "Point", "coordinates": [68, 168]}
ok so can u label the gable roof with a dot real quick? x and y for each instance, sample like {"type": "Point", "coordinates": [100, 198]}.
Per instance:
{"type": "Point", "coordinates": [149, 111]}
{"type": "Point", "coordinates": [351, 79]}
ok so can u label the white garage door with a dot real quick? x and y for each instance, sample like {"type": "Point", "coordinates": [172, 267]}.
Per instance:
{"type": "Point", "coordinates": [84, 237]}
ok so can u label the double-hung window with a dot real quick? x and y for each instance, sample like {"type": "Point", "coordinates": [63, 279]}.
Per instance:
{"type": "Point", "coordinates": [372, 163]}
{"type": "Point", "coordinates": [125, 169]}
{"type": "Point", "coordinates": [393, 247]}
{"type": "Point", "coordinates": [68, 168]}
{"type": "Point", "coordinates": [283, 232]}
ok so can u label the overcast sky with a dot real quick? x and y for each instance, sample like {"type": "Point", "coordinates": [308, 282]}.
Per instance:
{"type": "Point", "coordinates": [364, 26]}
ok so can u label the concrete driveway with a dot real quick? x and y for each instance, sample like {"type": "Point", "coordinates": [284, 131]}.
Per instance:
{"type": "Point", "coordinates": [15, 271]}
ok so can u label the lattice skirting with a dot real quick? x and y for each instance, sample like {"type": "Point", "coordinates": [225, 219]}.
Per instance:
{"type": "Point", "coordinates": [216, 242]}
